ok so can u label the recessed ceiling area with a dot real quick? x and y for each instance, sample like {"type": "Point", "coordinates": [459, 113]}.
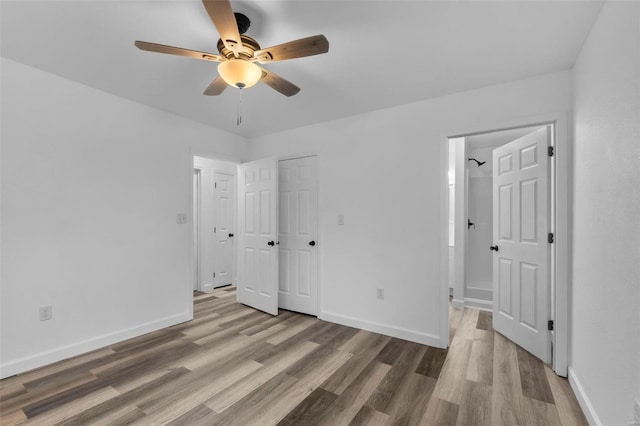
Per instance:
{"type": "Point", "coordinates": [382, 53]}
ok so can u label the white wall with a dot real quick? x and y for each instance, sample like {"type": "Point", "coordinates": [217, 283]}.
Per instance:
{"type": "Point", "coordinates": [385, 171]}
{"type": "Point", "coordinates": [605, 344]}
{"type": "Point", "coordinates": [91, 185]}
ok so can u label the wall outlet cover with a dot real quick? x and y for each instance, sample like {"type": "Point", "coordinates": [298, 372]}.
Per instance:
{"type": "Point", "coordinates": [46, 313]}
{"type": "Point", "coordinates": [181, 218]}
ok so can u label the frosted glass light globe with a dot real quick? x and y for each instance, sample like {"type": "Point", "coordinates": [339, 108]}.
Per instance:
{"type": "Point", "coordinates": [239, 73]}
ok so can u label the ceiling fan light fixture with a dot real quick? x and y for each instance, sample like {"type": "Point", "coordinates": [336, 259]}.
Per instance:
{"type": "Point", "coordinates": [239, 73]}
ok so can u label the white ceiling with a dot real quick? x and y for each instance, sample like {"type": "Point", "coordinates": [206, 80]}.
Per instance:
{"type": "Point", "coordinates": [382, 53]}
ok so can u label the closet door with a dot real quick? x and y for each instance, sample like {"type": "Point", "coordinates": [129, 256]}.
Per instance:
{"type": "Point", "coordinates": [298, 210]}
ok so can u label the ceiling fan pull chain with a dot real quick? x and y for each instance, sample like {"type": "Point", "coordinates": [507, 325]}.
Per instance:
{"type": "Point", "coordinates": [239, 118]}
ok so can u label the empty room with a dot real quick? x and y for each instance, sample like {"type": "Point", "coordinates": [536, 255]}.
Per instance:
{"type": "Point", "coordinates": [366, 212]}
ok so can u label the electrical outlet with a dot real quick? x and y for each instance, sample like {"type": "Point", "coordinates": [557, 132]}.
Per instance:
{"type": "Point", "coordinates": [380, 293]}
{"type": "Point", "coordinates": [181, 218]}
{"type": "Point", "coordinates": [46, 313]}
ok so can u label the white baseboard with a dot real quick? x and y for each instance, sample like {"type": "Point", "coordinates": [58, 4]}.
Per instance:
{"type": "Point", "coordinates": [457, 303]}
{"type": "Point", "coordinates": [78, 348]}
{"type": "Point", "coordinates": [481, 285]}
{"type": "Point", "coordinates": [388, 330]}
{"type": "Point", "coordinates": [583, 399]}
{"type": "Point", "coordinates": [483, 305]}
{"type": "Point", "coordinates": [479, 291]}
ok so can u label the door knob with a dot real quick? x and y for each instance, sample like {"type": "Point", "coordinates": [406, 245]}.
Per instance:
{"type": "Point", "coordinates": [312, 243]}
{"type": "Point", "coordinates": [230, 235]}
{"type": "Point", "coordinates": [271, 243]}
{"type": "Point", "coordinates": [494, 248]}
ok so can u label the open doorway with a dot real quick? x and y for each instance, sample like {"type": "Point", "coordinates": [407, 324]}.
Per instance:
{"type": "Point", "coordinates": [237, 233]}
{"type": "Point", "coordinates": [213, 223]}
{"type": "Point", "coordinates": [474, 170]}
{"type": "Point", "coordinates": [501, 221]}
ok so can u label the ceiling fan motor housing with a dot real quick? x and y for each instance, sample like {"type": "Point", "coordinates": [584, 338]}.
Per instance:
{"type": "Point", "coordinates": [249, 46]}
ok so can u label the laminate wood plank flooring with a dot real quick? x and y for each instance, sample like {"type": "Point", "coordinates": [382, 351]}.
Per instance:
{"type": "Point", "coordinates": [232, 365]}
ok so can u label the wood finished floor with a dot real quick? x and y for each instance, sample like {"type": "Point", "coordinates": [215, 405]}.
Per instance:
{"type": "Point", "coordinates": [237, 366]}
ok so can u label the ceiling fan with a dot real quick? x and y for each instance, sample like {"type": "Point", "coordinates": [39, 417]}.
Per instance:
{"type": "Point", "coordinates": [238, 53]}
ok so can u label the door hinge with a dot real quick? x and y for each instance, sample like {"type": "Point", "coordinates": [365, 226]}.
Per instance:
{"type": "Point", "coordinates": [214, 275]}
{"type": "Point", "coordinates": [215, 185]}
{"type": "Point", "coordinates": [550, 238]}
{"type": "Point", "coordinates": [550, 325]}
{"type": "Point", "coordinates": [550, 151]}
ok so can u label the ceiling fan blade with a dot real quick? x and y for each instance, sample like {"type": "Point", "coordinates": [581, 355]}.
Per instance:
{"type": "Point", "coordinates": [161, 48]}
{"type": "Point", "coordinates": [309, 46]}
{"type": "Point", "coordinates": [278, 83]}
{"type": "Point", "coordinates": [216, 87]}
{"type": "Point", "coordinates": [221, 14]}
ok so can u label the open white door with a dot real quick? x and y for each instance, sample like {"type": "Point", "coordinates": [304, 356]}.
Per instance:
{"type": "Point", "coordinates": [520, 227]}
{"type": "Point", "coordinates": [258, 234]}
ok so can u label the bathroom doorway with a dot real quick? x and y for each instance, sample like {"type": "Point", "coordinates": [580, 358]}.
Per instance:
{"type": "Point", "coordinates": [500, 213]}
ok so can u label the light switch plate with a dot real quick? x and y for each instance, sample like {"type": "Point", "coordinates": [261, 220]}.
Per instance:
{"type": "Point", "coordinates": [46, 313]}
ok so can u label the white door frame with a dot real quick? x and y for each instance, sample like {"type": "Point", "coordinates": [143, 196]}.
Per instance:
{"type": "Point", "coordinates": [560, 279]}
{"type": "Point", "coordinates": [195, 230]}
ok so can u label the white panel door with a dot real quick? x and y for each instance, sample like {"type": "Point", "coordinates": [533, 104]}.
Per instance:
{"type": "Point", "coordinates": [521, 288]}
{"type": "Point", "coordinates": [258, 234]}
{"type": "Point", "coordinates": [298, 226]}
{"type": "Point", "coordinates": [223, 201]}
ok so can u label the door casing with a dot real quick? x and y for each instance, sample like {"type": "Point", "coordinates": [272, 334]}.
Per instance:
{"type": "Point", "coordinates": [195, 227]}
